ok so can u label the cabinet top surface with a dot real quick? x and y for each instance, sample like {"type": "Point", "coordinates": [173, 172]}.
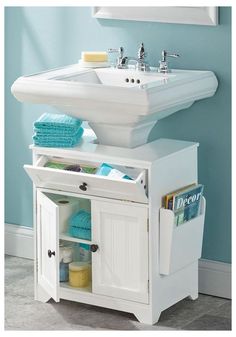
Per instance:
{"type": "Point", "coordinates": [141, 156]}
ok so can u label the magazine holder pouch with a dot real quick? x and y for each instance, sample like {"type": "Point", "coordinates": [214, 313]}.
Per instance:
{"type": "Point", "coordinates": [180, 245]}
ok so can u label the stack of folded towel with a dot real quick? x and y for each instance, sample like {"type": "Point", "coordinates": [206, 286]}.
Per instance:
{"type": "Point", "coordinates": [80, 225]}
{"type": "Point", "coordinates": [54, 130]}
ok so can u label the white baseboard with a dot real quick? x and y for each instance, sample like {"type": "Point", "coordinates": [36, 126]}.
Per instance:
{"type": "Point", "coordinates": [214, 276]}
{"type": "Point", "coordinates": [19, 241]}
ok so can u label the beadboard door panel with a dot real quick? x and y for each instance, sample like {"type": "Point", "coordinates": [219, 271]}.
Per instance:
{"type": "Point", "coordinates": [120, 265]}
{"type": "Point", "coordinates": [48, 245]}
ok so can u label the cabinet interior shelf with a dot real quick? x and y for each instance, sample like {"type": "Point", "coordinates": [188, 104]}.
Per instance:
{"type": "Point", "coordinates": [84, 289]}
{"type": "Point", "coordinates": [67, 237]}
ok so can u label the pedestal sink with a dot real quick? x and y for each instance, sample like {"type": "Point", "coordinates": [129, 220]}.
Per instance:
{"type": "Point", "coordinates": [121, 105]}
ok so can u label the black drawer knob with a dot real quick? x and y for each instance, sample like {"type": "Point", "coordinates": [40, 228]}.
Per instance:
{"type": "Point", "coordinates": [94, 248]}
{"type": "Point", "coordinates": [50, 253]}
{"type": "Point", "coordinates": [83, 187]}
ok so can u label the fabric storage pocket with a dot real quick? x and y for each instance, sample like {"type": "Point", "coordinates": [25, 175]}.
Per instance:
{"type": "Point", "coordinates": [180, 245]}
{"type": "Point", "coordinates": [87, 183]}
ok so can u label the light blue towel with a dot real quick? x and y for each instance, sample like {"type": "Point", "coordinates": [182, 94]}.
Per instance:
{"type": "Point", "coordinates": [52, 140]}
{"type": "Point", "coordinates": [80, 225]}
{"type": "Point", "coordinates": [81, 233]}
{"type": "Point", "coordinates": [56, 131]}
{"type": "Point", "coordinates": [51, 123]}
{"type": "Point", "coordinates": [81, 219]}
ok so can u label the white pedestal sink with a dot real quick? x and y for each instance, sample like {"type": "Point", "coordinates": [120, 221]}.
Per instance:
{"type": "Point", "coordinates": [121, 105]}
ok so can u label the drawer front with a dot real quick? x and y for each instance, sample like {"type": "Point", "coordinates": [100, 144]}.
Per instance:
{"type": "Point", "coordinates": [123, 189]}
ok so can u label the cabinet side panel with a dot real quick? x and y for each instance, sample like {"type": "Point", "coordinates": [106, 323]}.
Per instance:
{"type": "Point", "coordinates": [165, 176]}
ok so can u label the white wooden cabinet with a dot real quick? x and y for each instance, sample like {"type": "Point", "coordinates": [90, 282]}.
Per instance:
{"type": "Point", "coordinates": [137, 266]}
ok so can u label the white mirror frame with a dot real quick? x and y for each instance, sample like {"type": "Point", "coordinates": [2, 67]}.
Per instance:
{"type": "Point", "coordinates": [172, 14]}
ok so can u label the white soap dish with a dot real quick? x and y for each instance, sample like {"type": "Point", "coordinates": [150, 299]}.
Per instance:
{"type": "Point", "coordinates": [94, 64]}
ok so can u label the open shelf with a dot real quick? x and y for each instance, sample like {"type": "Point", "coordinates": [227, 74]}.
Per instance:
{"type": "Point", "coordinates": [67, 237]}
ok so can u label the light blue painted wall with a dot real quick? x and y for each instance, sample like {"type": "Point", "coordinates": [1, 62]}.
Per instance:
{"type": "Point", "coordinates": [41, 38]}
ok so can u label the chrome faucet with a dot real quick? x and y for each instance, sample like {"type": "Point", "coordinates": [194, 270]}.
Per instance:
{"type": "Point", "coordinates": [163, 64]}
{"type": "Point", "coordinates": [142, 64]}
{"type": "Point", "coordinates": [123, 61]}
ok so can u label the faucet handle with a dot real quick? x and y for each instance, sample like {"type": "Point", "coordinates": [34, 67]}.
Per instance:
{"type": "Point", "coordinates": [142, 64]}
{"type": "Point", "coordinates": [121, 61]}
{"type": "Point", "coordinates": [119, 50]}
{"type": "Point", "coordinates": [165, 54]}
{"type": "Point", "coordinates": [163, 64]}
{"type": "Point", "coordinates": [141, 52]}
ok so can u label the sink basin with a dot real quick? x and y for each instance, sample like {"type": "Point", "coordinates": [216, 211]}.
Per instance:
{"type": "Point", "coordinates": [121, 105]}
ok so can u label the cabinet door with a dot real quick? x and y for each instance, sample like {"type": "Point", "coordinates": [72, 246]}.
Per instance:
{"type": "Point", "coordinates": [120, 265]}
{"type": "Point", "coordinates": [48, 245]}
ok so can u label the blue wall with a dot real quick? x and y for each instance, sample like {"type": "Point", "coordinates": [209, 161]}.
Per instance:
{"type": "Point", "coordinates": [41, 38]}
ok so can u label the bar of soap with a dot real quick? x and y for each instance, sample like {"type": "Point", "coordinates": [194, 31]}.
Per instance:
{"type": "Point", "coordinates": [94, 56]}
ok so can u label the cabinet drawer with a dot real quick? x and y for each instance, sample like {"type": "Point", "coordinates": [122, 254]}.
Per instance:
{"type": "Point", "coordinates": [91, 184]}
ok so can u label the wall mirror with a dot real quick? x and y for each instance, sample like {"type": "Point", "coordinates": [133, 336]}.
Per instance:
{"type": "Point", "coordinates": [171, 14]}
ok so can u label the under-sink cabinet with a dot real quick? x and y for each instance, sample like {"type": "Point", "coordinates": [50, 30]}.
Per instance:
{"type": "Point", "coordinates": [139, 262]}
{"type": "Point", "coordinates": [119, 235]}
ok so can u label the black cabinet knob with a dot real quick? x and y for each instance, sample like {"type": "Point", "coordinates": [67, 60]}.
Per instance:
{"type": "Point", "coordinates": [94, 248]}
{"type": "Point", "coordinates": [83, 187]}
{"type": "Point", "coordinates": [50, 253]}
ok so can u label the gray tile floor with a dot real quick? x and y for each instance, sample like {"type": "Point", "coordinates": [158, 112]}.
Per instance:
{"type": "Point", "coordinates": [23, 313]}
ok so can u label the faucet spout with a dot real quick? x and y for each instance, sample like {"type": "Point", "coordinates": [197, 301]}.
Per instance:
{"type": "Point", "coordinates": [124, 61]}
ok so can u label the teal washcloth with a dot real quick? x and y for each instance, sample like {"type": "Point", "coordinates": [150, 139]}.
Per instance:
{"type": "Point", "coordinates": [56, 131]}
{"type": "Point", "coordinates": [81, 219]}
{"type": "Point", "coordinates": [80, 225]}
{"type": "Point", "coordinates": [81, 233]}
{"type": "Point", "coordinates": [49, 123]}
{"type": "Point", "coordinates": [57, 140]}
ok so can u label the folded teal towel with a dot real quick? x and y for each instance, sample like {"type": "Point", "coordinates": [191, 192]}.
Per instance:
{"type": "Point", "coordinates": [80, 225]}
{"type": "Point", "coordinates": [56, 131]}
{"type": "Point", "coordinates": [81, 233]}
{"type": "Point", "coordinates": [57, 140]}
{"type": "Point", "coordinates": [81, 219]}
{"type": "Point", "coordinates": [49, 123]}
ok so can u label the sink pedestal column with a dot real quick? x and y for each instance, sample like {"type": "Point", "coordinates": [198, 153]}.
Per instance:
{"type": "Point", "coordinates": [129, 136]}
